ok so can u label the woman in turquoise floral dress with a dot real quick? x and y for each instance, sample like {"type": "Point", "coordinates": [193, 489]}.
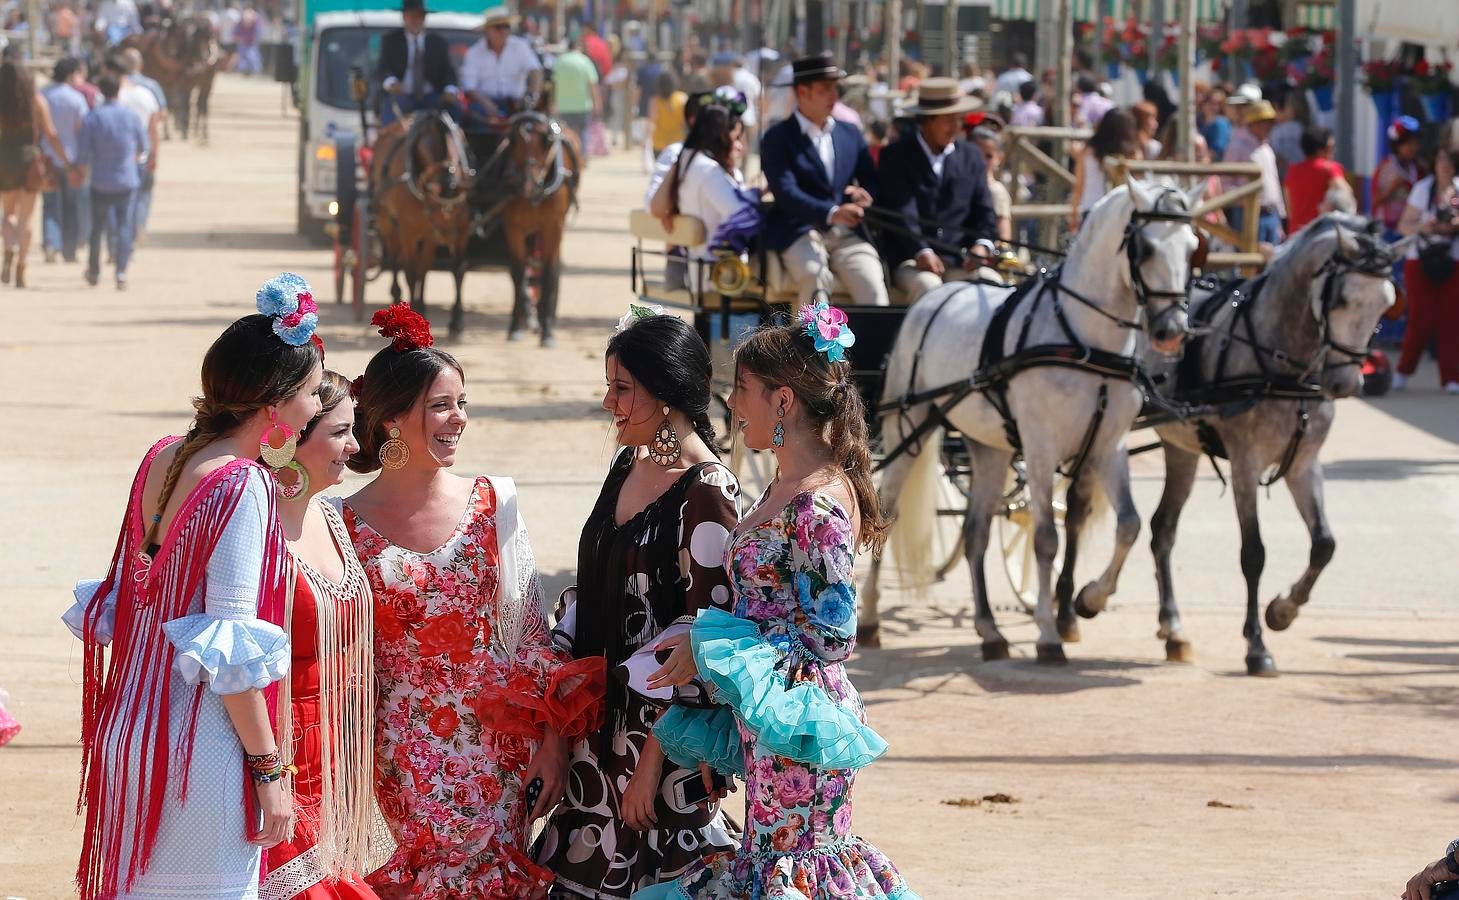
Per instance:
{"type": "Point", "coordinates": [792, 725]}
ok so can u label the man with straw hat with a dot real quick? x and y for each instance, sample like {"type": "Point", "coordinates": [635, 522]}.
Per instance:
{"type": "Point", "coordinates": [415, 66]}
{"type": "Point", "coordinates": [501, 73]}
{"type": "Point", "coordinates": [1260, 119]}
{"type": "Point", "coordinates": [934, 191]}
{"type": "Point", "coordinates": [823, 179]}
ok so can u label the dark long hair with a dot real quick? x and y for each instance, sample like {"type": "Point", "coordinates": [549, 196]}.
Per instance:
{"type": "Point", "coordinates": [712, 134]}
{"type": "Point", "coordinates": [668, 357]}
{"type": "Point", "coordinates": [783, 356]}
{"type": "Point", "coordinates": [17, 97]}
{"type": "Point", "coordinates": [393, 382]}
{"type": "Point", "coordinates": [1115, 135]}
{"type": "Point", "coordinates": [246, 369]}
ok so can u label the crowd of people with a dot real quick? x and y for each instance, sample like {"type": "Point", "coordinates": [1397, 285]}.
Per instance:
{"type": "Point", "coordinates": [264, 666]}
{"type": "Point", "coordinates": [87, 147]}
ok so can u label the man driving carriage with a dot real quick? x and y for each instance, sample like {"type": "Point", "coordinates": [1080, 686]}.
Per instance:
{"type": "Point", "coordinates": [416, 71]}
{"type": "Point", "coordinates": [821, 173]}
{"type": "Point", "coordinates": [934, 187]}
{"type": "Point", "coordinates": [501, 73]}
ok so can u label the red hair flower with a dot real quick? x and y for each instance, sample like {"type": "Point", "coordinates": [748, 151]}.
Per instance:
{"type": "Point", "coordinates": [318, 342]}
{"type": "Point", "coordinates": [406, 328]}
{"type": "Point", "coordinates": [357, 387]}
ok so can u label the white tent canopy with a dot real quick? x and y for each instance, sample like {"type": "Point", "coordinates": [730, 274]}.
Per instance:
{"type": "Point", "coordinates": [1434, 23]}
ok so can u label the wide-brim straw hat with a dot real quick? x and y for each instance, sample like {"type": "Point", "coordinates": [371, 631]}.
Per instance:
{"type": "Point", "coordinates": [943, 97]}
{"type": "Point", "coordinates": [1260, 111]}
{"type": "Point", "coordinates": [499, 15]}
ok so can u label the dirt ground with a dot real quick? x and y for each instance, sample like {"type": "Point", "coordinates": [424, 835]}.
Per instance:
{"type": "Point", "coordinates": [1123, 776]}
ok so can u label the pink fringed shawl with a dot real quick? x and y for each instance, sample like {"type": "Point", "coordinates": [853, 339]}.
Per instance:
{"type": "Point", "coordinates": [115, 720]}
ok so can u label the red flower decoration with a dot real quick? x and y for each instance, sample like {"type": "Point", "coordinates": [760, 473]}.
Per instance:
{"type": "Point", "coordinates": [406, 328]}
{"type": "Point", "coordinates": [356, 387]}
{"type": "Point", "coordinates": [318, 341]}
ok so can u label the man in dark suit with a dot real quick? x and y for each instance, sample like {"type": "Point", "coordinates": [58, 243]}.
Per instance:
{"type": "Point", "coordinates": [937, 183]}
{"type": "Point", "coordinates": [415, 66]}
{"type": "Point", "coordinates": [822, 176]}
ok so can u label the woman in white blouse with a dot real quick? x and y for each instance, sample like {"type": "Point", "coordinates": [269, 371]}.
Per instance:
{"type": "Point", "coordinates": [704, 182]}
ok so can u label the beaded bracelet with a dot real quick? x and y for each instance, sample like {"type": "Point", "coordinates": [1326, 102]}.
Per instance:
{"type": "Point", "coordinates": [274, 774]}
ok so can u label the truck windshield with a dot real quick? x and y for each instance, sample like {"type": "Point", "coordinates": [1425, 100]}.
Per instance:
{"type": "Point", "coordinates": [343, 49]}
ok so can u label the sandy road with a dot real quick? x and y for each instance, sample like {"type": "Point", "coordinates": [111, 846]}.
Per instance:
{"type": "Point", "coordinates": [1336, 780]}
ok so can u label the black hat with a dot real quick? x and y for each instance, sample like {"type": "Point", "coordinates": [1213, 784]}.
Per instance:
{"type": "Point", "coordinates": [413, 6]}
{"type": "Point", "coordinates": [821, 67]}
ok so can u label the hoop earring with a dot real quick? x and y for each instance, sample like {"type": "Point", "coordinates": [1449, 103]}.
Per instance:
{"type": "Point", "coordinates": [300, 487]}
{"type": "Point", "coordinates": [282, 455]}
{"type": "Point", "coordinates": [778, 439]}
{"type": "Point", "coordinates": [394, 453]}
{"type": "Point", "coordinates": [665, 448]}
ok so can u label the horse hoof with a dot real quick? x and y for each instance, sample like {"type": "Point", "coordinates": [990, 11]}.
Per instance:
{"type": "Point", "coordinates": [1280, 614]}
{"type": "Point", "coordinates": [1069, 630]}
{"type": "Point", "coordinates": [1262, 666]}
{"type": "Point", "coordinates": [549, 341]}
{"type": "Point", "coordinates": [995, 650]}
{"type": "Point", "coordinates": [1178, 650]}
{"type": "Point", "coordinates": [869, 636]}
{"type": "Point", "coordinates": [516, 334]}
{"type": "Point", "coordinates": [1051, 654]}
{"type": "Point", "coordinates": [1087, 605]}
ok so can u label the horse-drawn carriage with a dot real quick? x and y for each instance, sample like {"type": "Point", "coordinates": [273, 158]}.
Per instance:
{"type": "Point", "coordinates": [1040, 384]}
{"type": "Point", "coordinates": [430, 194]}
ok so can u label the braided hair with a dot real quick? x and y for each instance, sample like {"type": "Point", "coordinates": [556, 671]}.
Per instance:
{"type": "Point", "coordinates": [245, 370]}
{"type": "Point", "coordinates": [668, 357]}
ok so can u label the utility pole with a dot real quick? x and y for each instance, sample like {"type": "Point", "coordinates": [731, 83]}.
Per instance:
{"type": "Point", "coordinates": [1186, 127]}
{"type": "Point", "coordinates": [892, 43]}
{"type": "Point", "coordinates": [1239, 20]}
{"type": "Point", "coordinates": [1157, 32]}
{"type": "Point", "coordinates": [949, 36]}
{"type": "Point", "coordinates": [1347, 89]}
{"type": "Point", "coordinates": [1063, 72]}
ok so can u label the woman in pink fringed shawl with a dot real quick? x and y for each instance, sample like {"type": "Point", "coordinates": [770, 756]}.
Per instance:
{"type": "Point", "coordinates": [180, 779]}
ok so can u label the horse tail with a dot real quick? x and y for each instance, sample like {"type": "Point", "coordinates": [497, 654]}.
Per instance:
{"type": "Point", "coordinates": [915, 503]}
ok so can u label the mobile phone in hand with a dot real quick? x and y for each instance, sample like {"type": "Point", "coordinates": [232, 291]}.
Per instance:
{"type": "Point", "coordinates": [534, 790]}
{"type": "Point", "coordinates": [688, 788]}
{"type": "Point", "coordinates": [1444, 890]}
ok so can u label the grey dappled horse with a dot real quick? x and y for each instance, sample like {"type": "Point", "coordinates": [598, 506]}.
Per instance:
{"type": "Point", "coordinates": [1306, 321]}
{"type": "Point", "coordinates": [1128, 269]}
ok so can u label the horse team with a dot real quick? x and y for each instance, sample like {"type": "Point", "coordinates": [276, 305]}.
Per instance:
{"type": "Point", "coordinates": [184, 57]}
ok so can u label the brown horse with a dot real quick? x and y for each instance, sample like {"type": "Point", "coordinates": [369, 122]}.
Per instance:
{"type": "Point", "coordinates": [420, 180]}
{"type": "Point", "coordinates": [183, 57]}
{"type": "Point", "coordinates": [541, 165]}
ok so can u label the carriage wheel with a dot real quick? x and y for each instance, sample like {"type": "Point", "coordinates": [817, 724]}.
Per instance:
{"type": "Point", "coordinates": [1015, 536]}
{"type": "Point", "coordinates": [953, 497]}
{"type": "Point", "coordinates": [341, 257]}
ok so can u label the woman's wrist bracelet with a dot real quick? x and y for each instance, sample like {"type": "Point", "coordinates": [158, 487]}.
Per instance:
{"type": "Point", "coordinates": [270, 775]}
{"type": "Point", "coordinates": [263, 761]}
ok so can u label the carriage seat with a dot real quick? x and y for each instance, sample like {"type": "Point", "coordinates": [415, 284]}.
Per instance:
{"type": "Point", "coordinates": [667, 285]}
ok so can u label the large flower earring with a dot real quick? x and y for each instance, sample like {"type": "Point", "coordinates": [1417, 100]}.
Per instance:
{"type": "Point", "coordinates": [778, 438]}
{"type": "Point", "coordinates": [665, 448]}
{"type": "Point", "coordinates": [394, 453]}
{"type": "Point", "coordinates": [280, 459]}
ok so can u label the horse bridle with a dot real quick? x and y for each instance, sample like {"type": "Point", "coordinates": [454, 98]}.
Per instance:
{"type": "Point", "coordinates": [1135, 247]}
{"type": "Point", "coordinates": [540, 189]}
{"type": "Point", "coordinates": [1372, 262]}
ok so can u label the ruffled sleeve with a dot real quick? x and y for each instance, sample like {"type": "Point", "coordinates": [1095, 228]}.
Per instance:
{"type": "Point", "coordinates": [797, 720]}
{"type": "Point", "coordinates": [75, 617]}
{"type": "Point", "coordinates": [227, 644]}
{"type": "Point", "coordinates": [822, 551]}
{"type": "Point", "coordinates": [545, 687]}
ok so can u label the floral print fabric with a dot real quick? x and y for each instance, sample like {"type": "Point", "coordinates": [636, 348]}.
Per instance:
{"type": "Point", "coordinates": [448, 783]}
{"type": "Point", "coordinates": [792, 575]}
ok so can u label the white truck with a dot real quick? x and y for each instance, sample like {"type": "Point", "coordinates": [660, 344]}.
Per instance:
{"type": "Point", "coordinates": [334, 41]}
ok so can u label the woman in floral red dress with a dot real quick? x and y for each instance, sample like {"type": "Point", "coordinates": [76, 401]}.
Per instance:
{"type": "Point", "coordinates": [474, 705]}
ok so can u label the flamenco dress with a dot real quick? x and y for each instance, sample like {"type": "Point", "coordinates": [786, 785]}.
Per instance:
{"type": "Point", "coordinates": [466, 681]}
{"type": "Point", "coordinates": [794, 727]}
{"type": "Point", "coordinates": [330, 702]}
{"type": "Point", "coordinates": [645, 578]}
{"type": "Point", "coordinates": [168, 803]}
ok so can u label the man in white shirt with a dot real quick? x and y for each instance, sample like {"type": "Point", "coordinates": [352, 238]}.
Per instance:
{"type": "Point", "coordinates": [501, 73]}
{"type": "Point", "coordinates": [1017, 74]}
{"type": "Point", "coordinates": [1259, 121]}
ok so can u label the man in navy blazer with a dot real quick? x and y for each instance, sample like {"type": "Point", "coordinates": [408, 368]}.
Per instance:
{"type": "Point", "coordinates": [823, 179]}
{"type": "Point", "coordinates": [937, 183]}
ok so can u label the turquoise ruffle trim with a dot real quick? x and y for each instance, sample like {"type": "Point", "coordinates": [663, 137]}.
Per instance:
{"type": "Point", "coordinates": [232, 655]}
{"type": "Point", "coordinates": [691, 735]}
{"type": "Point", "coordinates": [801, 723]}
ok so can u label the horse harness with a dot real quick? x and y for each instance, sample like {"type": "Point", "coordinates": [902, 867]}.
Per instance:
{"type": "Point", "coordinates": [995, 369]}
{"type": "Point", "coordinates": [1226, 397]}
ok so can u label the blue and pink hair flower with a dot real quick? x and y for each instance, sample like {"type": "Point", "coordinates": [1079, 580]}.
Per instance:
{"type": "Point", "coordinates": [827, 327]}
{"type": "Point", "coordinates": [288, 300]}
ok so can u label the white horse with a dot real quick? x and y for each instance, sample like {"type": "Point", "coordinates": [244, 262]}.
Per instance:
{"type": "Point", "coordinates": [1274, 353]}
{"type": "Point", "coordinates": [1128, 270]}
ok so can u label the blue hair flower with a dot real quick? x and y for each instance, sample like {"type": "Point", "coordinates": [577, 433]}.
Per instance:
{"type": "Point", "coordinates": [827, 327]}
{"type": "Point", "coordinates": [299, 334]}
{"type": "Point", "coordinates": [279, 296]}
